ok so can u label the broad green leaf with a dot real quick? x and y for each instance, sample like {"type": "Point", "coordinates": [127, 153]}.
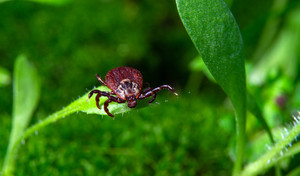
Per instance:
{"type": "Point", "coordinates": [217, 37]}
{"type": "Point", "coordinates": [4, 77]}
{"type": "Point", "coordinates": [26, 92]}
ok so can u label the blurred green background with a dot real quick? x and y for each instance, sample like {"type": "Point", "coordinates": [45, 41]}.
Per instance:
{"type": "Point", "coordinates": [192, 134]}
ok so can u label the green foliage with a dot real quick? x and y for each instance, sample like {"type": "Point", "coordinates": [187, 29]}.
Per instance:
{"type": "Point", "coordinates": [69, 41]}
{"type": "Point", "coordinates": [277, 152]}
{"type": "Point", "coordinates": [92, 145]}
{"type": "Point", "coordinates": [29, 85]}
{"type": "Point", "coordinates": [26, 92]}
{"type": "Point", "coordinates": [216, 35]}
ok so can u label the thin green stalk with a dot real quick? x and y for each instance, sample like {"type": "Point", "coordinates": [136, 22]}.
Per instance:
{"type": "Point", "coordinates": [83, 104]}
{"type": "Point", "coordinates": [10, 156]}
{"type": "Point", "coordinates": [240, 146]}
{"type": "Point", "coordinates": [274, 154]}
{"type": "Point", "coordinates": [50, 119]}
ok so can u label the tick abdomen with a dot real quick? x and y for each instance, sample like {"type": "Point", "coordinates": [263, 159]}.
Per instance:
{"type": "Point", "coordinates": [115, 76]}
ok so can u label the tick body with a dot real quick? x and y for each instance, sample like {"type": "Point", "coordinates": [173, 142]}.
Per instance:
{"type": "Point", "coordinates": [125, 84]}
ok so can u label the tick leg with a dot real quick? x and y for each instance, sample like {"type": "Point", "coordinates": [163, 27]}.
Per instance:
{"type": "Point", "coordinates": [99, 94]}
{"type": "Point", "coordinates": [116, 99]}
{"type": "Point", "coordinates": [109, 100]}
{"type": "Point", "coordinates": [93, 92]}
{"type": "Point", "coordinates": [148, 92]}
{"type": "Point", "coordinates": [153, 98]}
{"type": "Point", "coordinates": [100, 79]}
{"type": "Point", "coordinates": [97, 100]}
{"type": "Point", "coordinates": [105, 107]}
{"type": "Point", "coordinates": [164, 87]}
{"type": "Point", "coordinates": [102, 93]}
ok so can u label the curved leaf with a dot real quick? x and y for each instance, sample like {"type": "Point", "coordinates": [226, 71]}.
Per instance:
{"type": "Point", "coordinates": [217, 37]}
{"type": "Point", "coordinates": [26, 93]}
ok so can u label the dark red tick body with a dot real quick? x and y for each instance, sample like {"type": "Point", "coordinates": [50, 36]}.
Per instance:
{"type": "Point", "coordinates": [126, 83]}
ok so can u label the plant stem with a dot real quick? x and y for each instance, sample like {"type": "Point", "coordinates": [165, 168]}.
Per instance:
{"type": "Point", "coordinates": [272, 156]}
{"type": "Point", "coordinates": [240, 121]}
{"type": "Point", "coordinates": [9, 161]}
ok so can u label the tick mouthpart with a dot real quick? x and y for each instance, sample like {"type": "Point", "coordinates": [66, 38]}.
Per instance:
{"type": "Point", "coordinates": [131, 104]}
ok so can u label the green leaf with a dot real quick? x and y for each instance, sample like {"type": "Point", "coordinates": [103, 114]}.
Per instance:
{"type": "Point", "coordinates": [217, 37]}
{"type": "Point", "coordinates": [88, 106]}
{"type": "Point", "coordinates": [26, 92]}
{"type": "Point", "coordinates": [83, 104]}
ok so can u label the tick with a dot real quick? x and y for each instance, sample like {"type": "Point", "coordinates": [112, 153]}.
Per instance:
{"type": "Point", "coordinates": [125, 84]}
